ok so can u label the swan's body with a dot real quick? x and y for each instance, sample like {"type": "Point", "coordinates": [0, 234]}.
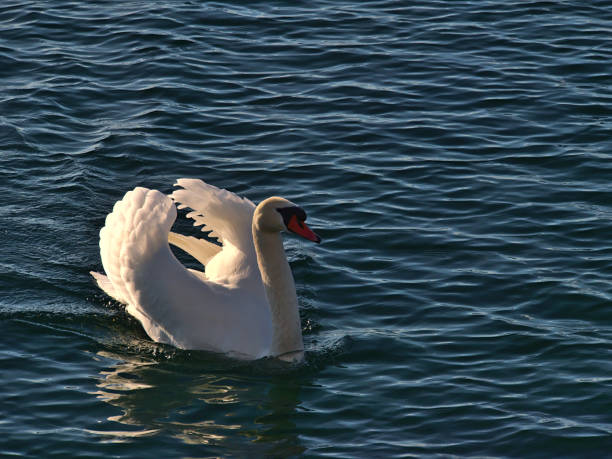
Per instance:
{"type": "Point", "coordinates": [243, 303]}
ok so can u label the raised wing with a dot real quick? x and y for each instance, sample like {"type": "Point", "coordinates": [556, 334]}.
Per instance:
{"type": "Point", "coordinates": [226, 214]}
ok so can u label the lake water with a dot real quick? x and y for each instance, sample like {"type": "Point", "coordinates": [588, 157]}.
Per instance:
{"type": "Point", "coordinates": [455, 157]}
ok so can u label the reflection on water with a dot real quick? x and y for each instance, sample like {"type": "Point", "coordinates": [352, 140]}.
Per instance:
{"type": "Point", "coordinates": [199, 406]}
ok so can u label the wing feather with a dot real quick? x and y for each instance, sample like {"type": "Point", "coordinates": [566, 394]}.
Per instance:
{"type": "Point", "coordinates": [228, 215]}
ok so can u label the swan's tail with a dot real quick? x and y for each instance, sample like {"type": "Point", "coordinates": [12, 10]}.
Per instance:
{"type": "Point", "coordinates": [134, 233]}
{"type": "Point", "coordinates": [106, 285]}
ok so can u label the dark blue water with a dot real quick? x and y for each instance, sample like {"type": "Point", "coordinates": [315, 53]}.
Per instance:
{"type": "Point", "coordinates": [455, 156]}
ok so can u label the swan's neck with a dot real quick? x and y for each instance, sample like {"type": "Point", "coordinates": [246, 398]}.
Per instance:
{"type": "Point", "coordinates": [280, 290]}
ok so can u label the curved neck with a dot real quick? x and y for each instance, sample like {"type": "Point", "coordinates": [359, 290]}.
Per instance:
{"type": "Point", "coordinates": [280, 290]}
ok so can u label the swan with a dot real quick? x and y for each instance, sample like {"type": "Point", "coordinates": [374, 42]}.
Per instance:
{"type": "Point", "coordinates": [242, 304]}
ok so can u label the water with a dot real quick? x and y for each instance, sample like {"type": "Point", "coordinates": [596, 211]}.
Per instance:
{"type": "Point", "coordinates": [455, 157]}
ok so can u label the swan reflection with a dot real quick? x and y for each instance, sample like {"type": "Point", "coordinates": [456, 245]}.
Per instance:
{"type": "Point", "coordinates": [240, 412]}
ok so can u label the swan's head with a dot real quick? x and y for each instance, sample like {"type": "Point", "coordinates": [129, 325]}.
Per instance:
{"type": "Point", "coordinates": [278, 214]}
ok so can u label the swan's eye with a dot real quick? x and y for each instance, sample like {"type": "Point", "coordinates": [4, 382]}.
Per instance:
{"type": "Point", "coordinates": [300, 214]}
{"type": "Point", "coordinates": [288, 212]}
{"type": "Point", "coordinates": [294, 218]}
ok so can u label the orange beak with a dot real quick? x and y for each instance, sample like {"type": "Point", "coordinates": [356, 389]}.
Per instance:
{"type": "Point", "coordinates": [298, 227]}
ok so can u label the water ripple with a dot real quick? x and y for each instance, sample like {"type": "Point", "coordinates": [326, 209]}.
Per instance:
{"type": "Point", "coordinates": [454, 156]}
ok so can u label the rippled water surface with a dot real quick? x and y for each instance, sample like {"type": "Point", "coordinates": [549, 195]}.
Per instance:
{"type": "Point", "coordinates": [455, 157]}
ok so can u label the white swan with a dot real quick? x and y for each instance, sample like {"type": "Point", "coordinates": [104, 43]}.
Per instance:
{"type": "Point", "coordinates": [243, 304]}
